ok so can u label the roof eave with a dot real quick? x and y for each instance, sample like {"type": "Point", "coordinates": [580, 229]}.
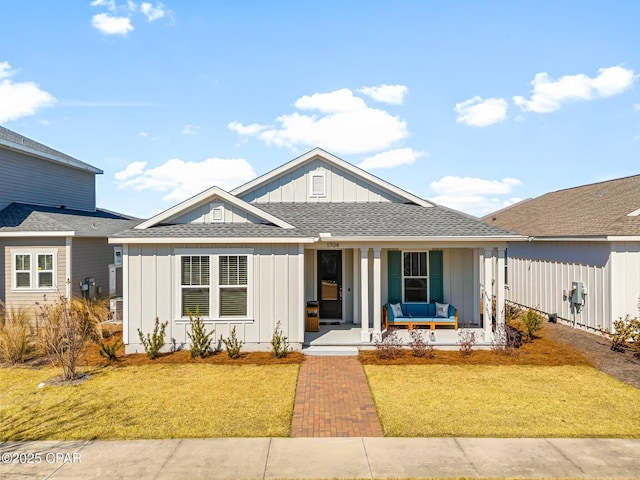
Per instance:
{"type": "Point", "coordinates": [197, 240]}
{"type": "Point", "coordinates": [50, 157]}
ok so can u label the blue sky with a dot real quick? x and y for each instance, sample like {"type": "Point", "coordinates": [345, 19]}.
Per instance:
{"type": "Point", "coordinates": [473, 104]}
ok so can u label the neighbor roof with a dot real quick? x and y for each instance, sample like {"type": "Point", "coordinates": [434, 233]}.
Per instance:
{"type": "Point", "coordinates": [15, 141]}
{"type": "Point", "coordinates": [594, 210]}
{"type": "Point", "coordinates": [19, 219]}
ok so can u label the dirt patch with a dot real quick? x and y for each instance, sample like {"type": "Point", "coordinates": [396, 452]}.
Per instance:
{"type": "Point", "coordinates": [625, 366]}
{"type": "Point", "coordinates": [61, 382]}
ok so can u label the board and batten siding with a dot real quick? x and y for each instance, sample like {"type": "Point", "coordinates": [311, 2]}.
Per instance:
{"type": "Point", "coordinates": [341, 186]}
{"type": "Point", "coordinates": [625, 280]}
{"type": "Point", "coordinates": [90, 258]}
{"type": "Point", "coordinates": [202, 214]}
{"type": "Point", "coordinates": [34, 245]}
{"type": "Point", "coordinates": [26, 179]}
{"type": "Point", "coordinates": [276, 295]}
{"type": "Point", "coordinates": [541, 273]}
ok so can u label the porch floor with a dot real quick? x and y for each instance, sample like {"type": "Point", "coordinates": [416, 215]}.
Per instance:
{"type": "Point", "coordinates": [348, 334]}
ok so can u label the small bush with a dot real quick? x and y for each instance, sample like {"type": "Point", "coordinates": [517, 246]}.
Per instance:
{"type": "Point", "coordinates": [511, 312]}
{"type": "Point", "coordinates": [420, 347]}
{"type": "Point", "coordinates": [15, 330]}
{"type": "Point", "coordinates": [232, 344]}
{"type": "Point", "coordinates": [279, 343]}
{"type": "Point", "coordinates": [153, 342]}
{"type": "Point", "coordinates": [466, 339]}
{"type": "Point", "coordinates": [109, 350]}
{"type": "Point", "coordinates": [506, 339]}
{"type": "Point", "coordinates": [626, 334]}
{"type": "Point", "coordinates": [200, 339]}
{"type": "Point", "coordinates": [532, 323]}
{"type": "Point", "coordinates": [388, 345]}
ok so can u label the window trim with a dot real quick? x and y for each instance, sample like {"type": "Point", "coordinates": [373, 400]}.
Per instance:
{"type": "Point", "coordinates": [214, 283]}
{"type": "Point", "coordinates": [427, 277]}
{"type": "Point", "coordinates": [38, 271]}
{"type": "Point", "coordinates": [217, 207]}
{"type": "Point", "coordinates": [318, 174]}
{"type": "Point", "coordinates": [34, 278]}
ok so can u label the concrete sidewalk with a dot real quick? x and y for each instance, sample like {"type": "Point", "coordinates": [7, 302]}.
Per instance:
{"type": "Point", "coordinates": [322, 458]}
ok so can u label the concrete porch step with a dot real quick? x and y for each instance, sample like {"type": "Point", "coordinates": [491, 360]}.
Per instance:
{"type": "Point", "coordinates": [333, 350]}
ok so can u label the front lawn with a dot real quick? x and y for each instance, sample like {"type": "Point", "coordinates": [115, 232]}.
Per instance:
{"type": "Point", "coordinates": [149, 402]}
{"type": "Point", "coordinates": [502, 401]}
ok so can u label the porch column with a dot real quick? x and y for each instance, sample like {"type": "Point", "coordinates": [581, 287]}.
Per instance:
{"type": "Point", "coordinates": [487, 294]}
{"type": "Point", "coordinates": [356, 287]}
{"type": "Point", "coordinates": [477, 256]}
{"type": "Point", "coordinates": [500, 287]}
{"type": "Point", "coordinates": [365, 336]}
{"type": "Point", "coordinates": [377, 294]}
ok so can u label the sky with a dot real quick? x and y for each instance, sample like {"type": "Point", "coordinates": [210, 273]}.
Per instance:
{"type": "Point", "coordinates": [474, 105]}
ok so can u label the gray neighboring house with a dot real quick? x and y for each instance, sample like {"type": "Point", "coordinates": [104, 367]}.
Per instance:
{"type": "Point", "coordinates": [52, 236]}
{"type": "Point", "coordinates": [316, 229]}
{"type": "Point", "coordinates": [588, 234]}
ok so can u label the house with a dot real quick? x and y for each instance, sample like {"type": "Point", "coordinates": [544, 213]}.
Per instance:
{"type": "Point", "coordinates": [315, 229]}
{"type": "Point", "coordinates": [587, 236]}
{"type": "Point", "coordinates": [52, 236]}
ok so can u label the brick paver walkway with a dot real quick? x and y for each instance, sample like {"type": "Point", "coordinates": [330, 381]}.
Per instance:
{"type": "Point", "coordinates": [333, 400]}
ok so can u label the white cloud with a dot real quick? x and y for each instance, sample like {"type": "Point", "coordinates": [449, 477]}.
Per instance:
{"type": "Point", "coordinates": [636, 107]}
{"type": "Point", "coordinates": [180, 180]}
{"type": "Point", "coordinates": [153, 13]}
{"type": "Point", "coordinates": [477, 112]}
{"type": "Point", "coordinates": [20, 99]}
{"type": "Point", "coordinates": [475, 196]}
{"type": "Point", "coordinates": [131, 6]}
{"type": "Point", "coordinates": [109, 25]}
{"type": "Point", "coordinates": [190, 129]}
{"type": "Point", "coordinates": [110, 4]}
{"type": "Point", "coordinates": [391, 158]}
{"type": "Point", "coordinates": [548, 94]}
{"type": "Point", "coordinates": [345, 125]}
{"type": "Point", "coordinates": [392, 94]}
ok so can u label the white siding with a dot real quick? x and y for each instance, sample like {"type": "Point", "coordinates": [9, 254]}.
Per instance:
{"type": "Point", "coordinates": [203, 214]}
{"type": "Point", "coordinates": [625, 285]}
{"type": "Point", "coordinates": [540, 273]}
{"type": "Point", "coordinates": [152, 292]}
{"type": "Point", "coordinates": [27, 179]}
{"type": "Point", "coordinates": [341, 186]}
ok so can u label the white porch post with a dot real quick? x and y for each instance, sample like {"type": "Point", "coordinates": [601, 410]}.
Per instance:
{"type": "Point", "coordinates": [377, 294]}
{"type": "Point", "coordinates": [487, 295]}
{"type": "Point", "coordinates": [365, 336]}
{"type": "Point", "coordinates": [356, 287]}
{"type": "Point", "coordinates": [500, 288]}
{"type": "Point", "coordinates": [476, 286]}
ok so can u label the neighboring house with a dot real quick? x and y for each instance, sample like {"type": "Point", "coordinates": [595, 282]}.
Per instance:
{"type": "Point", "coordinates": [316, 228]}
{"type": "Point", "coordinates": [588, 234]}
{"type": "Point", "coordinates": [52, 237]}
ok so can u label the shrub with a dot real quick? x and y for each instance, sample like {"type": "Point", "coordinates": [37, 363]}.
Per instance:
{"type": "Point", "coordinates": [506, 339]}
{"type": "Point", "coordinates": [109, 350]}
{"type": "Point", "coordinates": [466, 339]}
{"type": "Point", "coordinates": [532, 323]}
{"type": "Point", "coordinates": [232, 344]}
{"type": "Point", "coordinates": [388, 345]}
{"type": "Point", "coordinates": [15, 329]}
{"type": "Point", "coordinates": [200, 339]}
{"type": "Point", "coordinates": [153, 342]}
{"type": "Point", "coordinates": [279, 343]}
{"type": "Point", "coordinates": [626, 333]}
{"type": "Point", "coordinates": [420, 347]}
{"type": "Point", "coordinates": [511, 312]}
{"type": "Point", "coordinates": [65, 327]}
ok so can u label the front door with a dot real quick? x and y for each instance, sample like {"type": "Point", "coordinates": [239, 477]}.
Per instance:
{"type": "Point", "coordinates": [330, 283]}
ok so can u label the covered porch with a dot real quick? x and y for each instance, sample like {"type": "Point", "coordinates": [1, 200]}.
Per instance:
{"type": "Point", "coordinates": [351, 283]}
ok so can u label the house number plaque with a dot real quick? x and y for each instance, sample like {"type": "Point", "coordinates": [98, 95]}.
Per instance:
{"type": "Point", "coordinates": [333, 245]}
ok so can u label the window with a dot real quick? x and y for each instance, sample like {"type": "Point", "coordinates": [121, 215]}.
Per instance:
{"type": "Point", "coordinates": [216, 284]}
{"type": "Point", "coordinates": [415, 277]}
{"type": "Point", "coordinates": [117, 256]}
{"type": "Point", "coordinates": [233, 285]}
{"type": "Point", "coordinates": [34, 270]}
{"type": "Point", "coordinates": [317, 184]}
{"type": "Point", "coordinates": [195, 285]}
{"type": "Point", "coordinates": [45, 270]}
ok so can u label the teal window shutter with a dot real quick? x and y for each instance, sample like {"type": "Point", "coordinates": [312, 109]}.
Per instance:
{"type": "Point", "coordinates": [436, 280]}
{"type": "Point", "coordinates": [394, 276]}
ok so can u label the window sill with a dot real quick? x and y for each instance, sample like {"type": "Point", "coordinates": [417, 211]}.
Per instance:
{"type": "Point", "coordinates": [186, 321]}
{"type": "Point", "coordinates": [35, 290]}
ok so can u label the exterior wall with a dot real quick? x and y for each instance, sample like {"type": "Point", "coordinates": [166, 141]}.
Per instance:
{"type": "Point", "coordinates": [458, 282]}
{"type": "Point", "coordinates": [34, 245]}
{"type": "Point", "coordinates": [625, 280]}
{"type": "Point", "coordinates": [28, 179]}
{"type": "Point", "coordinates": [90, 258]}
{"type": "Point", "coordinates": [202, 214]}
{"type": "Point", "coordinates": [341, 186]}
{"type": "Point", "coordinates": [540, 274]}
{"type": "Point", "coordinates": [276, 295]}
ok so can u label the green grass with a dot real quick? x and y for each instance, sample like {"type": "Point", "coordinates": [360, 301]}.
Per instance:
{"type": "Point", "coordinates": [503, 401]}
{"type": "Point", "coordinates": [149, 402]}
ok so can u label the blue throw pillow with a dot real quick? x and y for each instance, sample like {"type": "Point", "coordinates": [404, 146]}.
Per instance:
{"type": "Point", "coordinates": [442, 310]}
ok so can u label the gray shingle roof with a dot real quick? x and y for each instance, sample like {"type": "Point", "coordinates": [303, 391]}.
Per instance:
{"type": "Point", "coordinates": [20, 217]}
{"type": "Point", "coordinates": [598, 209]}
{"type": "Point", "coordinates": [383, 219]}
{"type": "Point", "coordinates": [19, 141]}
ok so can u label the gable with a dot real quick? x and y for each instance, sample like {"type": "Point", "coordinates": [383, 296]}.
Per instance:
{"type": "Point", "coordinates": [214, 210]}
{"type": "Point", "coordinates": [319, 177]}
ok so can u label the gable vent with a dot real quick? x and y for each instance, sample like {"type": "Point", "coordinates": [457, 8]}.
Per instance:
{"type": "Point", "coordinates": [318, 184]}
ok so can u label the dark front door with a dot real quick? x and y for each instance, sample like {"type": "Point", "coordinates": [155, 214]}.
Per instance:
{"type": "Point", "coordinates": [330, 283]}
